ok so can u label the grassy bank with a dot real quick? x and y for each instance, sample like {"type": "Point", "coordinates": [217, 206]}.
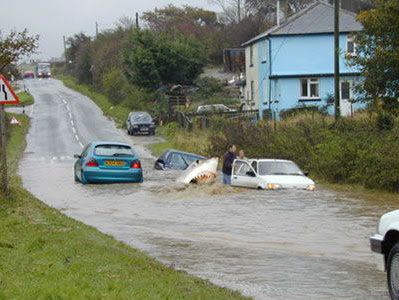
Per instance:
{"type": "Point", "coordinates": [25, 99]}
{"type": "Point", "coordinates": [118, 113]}
{"type": "Point", "coordinates": [46, 255]}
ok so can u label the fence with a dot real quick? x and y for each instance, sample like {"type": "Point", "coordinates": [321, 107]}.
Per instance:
{"type": "Point", "coordinates": [204, 120]}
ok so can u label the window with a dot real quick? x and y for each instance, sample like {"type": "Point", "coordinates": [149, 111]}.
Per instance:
{"type": "Point", "coordinates": [177, 162]}
{"type": "Point", "coordinates": [346, 90]}
{"type": "Point", "coordinates": [350, 46]}
{"type": "Point", "coordinates": [310, 88]}
{"type": "Point", "coordinates": [254, 165]}
{"type": "Point", "coordinates": [113, 150]}
{"type": "Point", "coordinates": [251, 56]}
{"type": "Point", "coordinates": [252, 90]}
{"type": "Point", "coordinates": [265, 51]}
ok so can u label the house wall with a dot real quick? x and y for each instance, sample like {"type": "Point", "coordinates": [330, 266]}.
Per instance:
{"type": "Point", "coordinates": [286, 93]}
{"type": "Point", "coordinates": [295, 55]}
{"type": "Point", "coordinates": [252, 74]}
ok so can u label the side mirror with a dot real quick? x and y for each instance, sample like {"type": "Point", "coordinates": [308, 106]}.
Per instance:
{"type": "Point", "coordinates": [306, 173]}
{"type": "Point", "coordinates": [251, 174]}
{"type": "Point", "coordinates": [77, 156]}
{"type": "Point", "coordinates": [159, 164]}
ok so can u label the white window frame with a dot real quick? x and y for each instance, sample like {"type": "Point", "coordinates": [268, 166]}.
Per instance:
{"type": "Point", "coordinates": [350, 39]}
{"type": "Point", "coordinates": [252, 90]}
{"type": "Point", "coordinates": [251, 55]}
{"type": "Point", "coordinates": [265, 51]}
{"type": "Point", "coordinates": [310, 81]}
{"type": "Point", "coordinates": [350, 89]}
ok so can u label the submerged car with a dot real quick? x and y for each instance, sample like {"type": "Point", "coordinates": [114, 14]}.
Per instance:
{"type": "Point", "coordinates": [269, 174]}
{"type": "Point", "coordinates": [102, 162]}
{"type": "Point", "coordinates": [176, 160]}
{"type": "Point", "coordinates": [386, 243]}
{"type": "Point", "coordinates": [139, 122]}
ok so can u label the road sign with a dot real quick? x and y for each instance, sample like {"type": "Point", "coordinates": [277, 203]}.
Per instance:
{"type": "Point", "coordinates": [7, 95]}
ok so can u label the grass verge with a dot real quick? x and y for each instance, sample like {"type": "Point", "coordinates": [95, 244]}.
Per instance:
{"type": "Point", "coordinates": [118, 113]}
{"type": "Point", "coordinates": [46, 255]}
{"type": "Point", "coordinates": [25, 99]}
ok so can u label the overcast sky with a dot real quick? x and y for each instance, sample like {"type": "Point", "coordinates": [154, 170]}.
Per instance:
{"type": "Point", "coordinates": [52, 19]}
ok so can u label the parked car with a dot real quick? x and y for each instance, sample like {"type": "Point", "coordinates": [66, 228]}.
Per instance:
{"type": "Point", "coordinates": [140, 122]}
{"type": "Point", "coordinates": [176, 160]}
{"type": "Point", "coordinates": [269, 174]}
{"type": "Point", "coordinates": [102, 162]}
{"type": "Point", "coordinates": [386, 243]}
{"type": "Point", "coordinates": [214, 108]}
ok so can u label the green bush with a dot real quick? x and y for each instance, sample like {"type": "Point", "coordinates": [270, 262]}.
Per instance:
{"type": "Point", "coordinates": [385, 121]}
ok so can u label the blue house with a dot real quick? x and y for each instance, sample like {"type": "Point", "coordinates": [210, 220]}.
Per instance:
{"type": "Point", "coordinates": [292, 64]}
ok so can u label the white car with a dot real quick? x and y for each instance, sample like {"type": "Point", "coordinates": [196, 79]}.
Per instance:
{"type": "Point", "coordinates": [386, 243]}
{"type": "Point", "coordinates": [214, 108]}
{"type": "Point", "coordinates": [269, 174]}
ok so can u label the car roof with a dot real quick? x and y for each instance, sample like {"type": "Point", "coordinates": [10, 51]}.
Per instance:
{"type": "Point", "coordinates": [139, 113]}
{"type": "Point", "coordinates": [183, 152]}
{"type": "Point", "coordinates": [266, 160]}
{"type": "Point", "coordinates": [97, 143]}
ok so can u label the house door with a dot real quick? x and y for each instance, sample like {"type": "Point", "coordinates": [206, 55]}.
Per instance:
{"type": "Point", "coordinates": [345, 99]}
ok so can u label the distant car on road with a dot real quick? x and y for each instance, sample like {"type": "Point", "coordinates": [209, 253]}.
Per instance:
{"type": "Point", "coordinates": [269, 174]}
{"type": "Point", "coordinates": [28, 74]}
{"type": "Point", "coordinates": [102, 162]}
{"type": "Point", "coordinates": [139, 122]}
{"type": "Point", "coordinates": [176, 160]}
{"type": "Point", "coordinates": [386, 243]}
{"type": "Point", "coordinates": [42, 70]}
{"type": "Point", "coordinates": [214, 108]}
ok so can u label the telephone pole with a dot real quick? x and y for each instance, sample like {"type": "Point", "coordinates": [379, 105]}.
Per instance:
{"type": "Point", "coordinates": [65, 52]}
{"type": "Point", "coordinates": [337, 113]}
{"type": "Point", "coordinates": [3, 148]}
{"type": "Point", "coordinates": [96, 29]}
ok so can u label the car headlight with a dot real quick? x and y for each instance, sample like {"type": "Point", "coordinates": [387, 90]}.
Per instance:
{"type": "Point", "coordinates": [311, 187]}
{"type": "Point", "coordinates": [272, 186]}
{"type": "Point", "coordinates": [152, 125]}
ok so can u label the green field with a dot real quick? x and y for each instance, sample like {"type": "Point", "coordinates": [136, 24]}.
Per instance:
{"type": "Point", "coordinates": [46, 255]}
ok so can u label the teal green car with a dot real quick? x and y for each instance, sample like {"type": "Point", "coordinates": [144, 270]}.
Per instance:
{"type": "Point", "coordinates": [107, 162]}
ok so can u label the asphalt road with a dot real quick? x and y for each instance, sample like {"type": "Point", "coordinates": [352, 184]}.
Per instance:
{"type": "Point", "coordinates": [269, 245]}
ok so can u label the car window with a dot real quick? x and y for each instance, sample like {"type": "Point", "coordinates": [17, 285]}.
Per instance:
{"type": "Point", "coordinates": [278, 168]}
{"type": "Point", "coordinates": [177, 162]}
{"type": "Point", "coordinates": [244, 168]}
{"type": "Point", "coordinates": [113, 150]}
{"type": "Point", "coordinates": [85, 150]}
{"type": "Point", "coordinates": [254, 165]}
{"type": "Point", "coordinates": [141, 117]}
{"type": "Point", "coordinates": [191, 158]}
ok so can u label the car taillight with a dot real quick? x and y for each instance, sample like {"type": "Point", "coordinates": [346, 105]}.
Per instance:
{"type": "Point", "coordinates": [136, 164]}
{"type": "Point", "coordinates": [92, 163]}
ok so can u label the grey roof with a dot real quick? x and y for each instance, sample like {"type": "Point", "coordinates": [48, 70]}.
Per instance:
{"type": "Point", "coordinates": [316, 18]}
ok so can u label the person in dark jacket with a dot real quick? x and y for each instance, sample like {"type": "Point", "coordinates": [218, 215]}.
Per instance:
{"type": "Point", "coordinates": [228, 159]}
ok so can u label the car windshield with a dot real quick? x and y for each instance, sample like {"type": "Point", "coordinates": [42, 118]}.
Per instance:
{"type": "Point", "coordinates": [191, 158]}
{"type": "Point", "coordinates": [278, 168]}
{"type": "Point", "coordinates": [143, 117]}
{"type": "Point", "coordinates": [113, 150]}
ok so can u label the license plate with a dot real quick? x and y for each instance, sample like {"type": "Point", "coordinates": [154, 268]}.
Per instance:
{"type": "Point", "coordinates": [114, 163]}
{"type": "Point", "coordinates": [144, 129]}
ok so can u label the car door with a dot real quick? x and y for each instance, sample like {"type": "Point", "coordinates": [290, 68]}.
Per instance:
{"type": "Point", "coordinates": [177, 162]}
{"type": "Point", "coordinates": [244, 175]}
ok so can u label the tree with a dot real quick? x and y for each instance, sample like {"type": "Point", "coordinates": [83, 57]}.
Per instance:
{"type": "Point", "coordinates": [153, 61]}
{"type": "Point", "coordinates": [14, 46]}
{"type": "Point", "coordinates": [378, 52]}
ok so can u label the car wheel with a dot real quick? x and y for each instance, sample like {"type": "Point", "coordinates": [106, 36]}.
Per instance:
{"type": "Point", "coordinates": [76, 177]}
{"type": "Point", "coordinates": [82, 176]}
{"type": "Point", "coordinates": [393, 272]}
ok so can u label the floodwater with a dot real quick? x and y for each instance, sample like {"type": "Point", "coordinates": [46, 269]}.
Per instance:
{"type": "Point", "coordinates": [266, 244]}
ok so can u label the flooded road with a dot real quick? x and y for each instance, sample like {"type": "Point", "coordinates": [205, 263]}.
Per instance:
{"type": "Point", "coordinates": [268, 245]}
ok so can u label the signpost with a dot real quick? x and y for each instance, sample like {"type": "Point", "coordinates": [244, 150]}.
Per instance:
{"type": "Point", "coordinates": [7, 96]}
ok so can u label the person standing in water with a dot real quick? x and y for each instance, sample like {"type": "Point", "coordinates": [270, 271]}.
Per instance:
{"type": "Point", "coordinates": [228, 159]}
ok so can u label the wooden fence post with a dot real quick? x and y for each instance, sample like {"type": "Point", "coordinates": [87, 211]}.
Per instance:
{"type": "Point", "coordinates": [3, 151]}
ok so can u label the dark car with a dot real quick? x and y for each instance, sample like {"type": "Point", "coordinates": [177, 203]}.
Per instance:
{"type": "Point", "coordinates": [176, 160]}
{"type": "Point", "coordinates": [139, 122]}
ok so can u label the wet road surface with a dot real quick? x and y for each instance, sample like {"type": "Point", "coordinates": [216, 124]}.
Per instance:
{"type": "Point", "coordinates": [269, 245]}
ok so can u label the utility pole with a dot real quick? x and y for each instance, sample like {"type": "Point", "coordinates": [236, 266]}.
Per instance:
{"type": "Point", "coordinates": [239, 11]}
{"type": "Point", "coordinates": [337, 113]}
{"type": "Point", "coordinates": [137, 20]}
{"type": "Point", "coordinates": [65, 52]}
{"type": "Point", "coordinates": [278, 12]}
{"type": "Point", "coordinates": [3, 149]}
{"type": "Point", "coordinates": [96, 29]}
